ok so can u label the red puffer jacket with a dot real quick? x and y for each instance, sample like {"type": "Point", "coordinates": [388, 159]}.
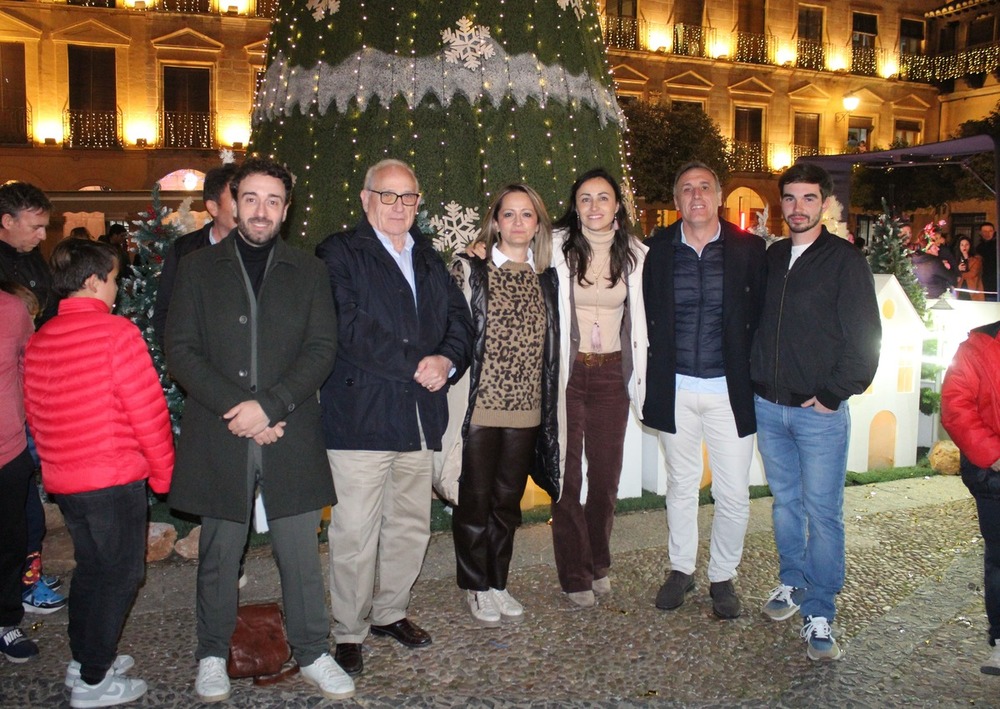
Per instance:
{"type": "Point", "coordinates": [970, 407]}
{"type": "Point", "coordinates": [94, 402]}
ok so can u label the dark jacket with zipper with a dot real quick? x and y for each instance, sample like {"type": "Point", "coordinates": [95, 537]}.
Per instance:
{"type": "Point", "coordinates": [370, 400]}
{"type": "Point", "coordinates": [546, 471]}
{"type": "Point", "coordinates": [742, 284]}
{"type": "Point", "coordinates": [820, 331]}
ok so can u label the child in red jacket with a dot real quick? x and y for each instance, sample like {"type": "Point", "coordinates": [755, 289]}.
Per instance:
{"type": "Point", "coordinates": [95, 406]}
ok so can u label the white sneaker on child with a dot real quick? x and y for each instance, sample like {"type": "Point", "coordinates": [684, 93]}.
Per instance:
{"type": "Point", "coordinates": [121, 665]}
{"type": "Point", "coordinates": [112, 690]}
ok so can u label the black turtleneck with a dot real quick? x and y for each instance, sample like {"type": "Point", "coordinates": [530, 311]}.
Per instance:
{"type": "Point", "coordinates": [254, 259]}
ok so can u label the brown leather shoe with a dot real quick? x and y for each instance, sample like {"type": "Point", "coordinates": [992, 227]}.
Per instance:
{"type": "Point", "coordinates": [407, 633]}
{"type": "Point", "coordinates": [348, 656]}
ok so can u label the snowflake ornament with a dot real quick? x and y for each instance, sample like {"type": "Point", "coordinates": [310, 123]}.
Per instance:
{"type": "Point", "coordinates": [577, 6]}
{"type": "Point", "coordinates": [468, 44]}
{"type": "Point", "coordinates": [456, 228]}
{"type": "Point", "coordinates": [227, 156]}
{"type": "Point", "coordinates": [321, 8]}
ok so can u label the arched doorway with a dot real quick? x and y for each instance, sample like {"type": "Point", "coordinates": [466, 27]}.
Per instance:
{"type": "Point", "coordinates": [741, 207]}
{"type": "Point", "coordinates": [882, 441]}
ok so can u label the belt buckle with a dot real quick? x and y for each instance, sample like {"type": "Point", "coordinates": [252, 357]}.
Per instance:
{"type": "Point", "coordinates": [591, 359]}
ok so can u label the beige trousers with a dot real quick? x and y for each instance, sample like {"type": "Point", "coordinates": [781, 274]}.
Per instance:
{"type": "Point", "coordinates": [381, 520]}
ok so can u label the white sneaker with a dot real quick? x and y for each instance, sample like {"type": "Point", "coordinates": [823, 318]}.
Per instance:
{"type": "Point", "coordinates": [483, 608]}
{"type": "Point", "coordinates": [326, 674]}
{"type": "Point", "coordinates": [121, 665]}
{"type": "Point", "coordinates": [509, 608]}
{"type": "Point", "coordinates": [212, 684]}
{"type": "Point", "coordinates": [110, 691]}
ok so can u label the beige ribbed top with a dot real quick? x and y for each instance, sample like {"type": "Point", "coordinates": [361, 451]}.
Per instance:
{"type": "Point", "coordinates": [599, 307]}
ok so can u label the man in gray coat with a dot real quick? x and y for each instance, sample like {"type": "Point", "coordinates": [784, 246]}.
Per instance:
{"type": "Point", "coordinates": [251, 335]}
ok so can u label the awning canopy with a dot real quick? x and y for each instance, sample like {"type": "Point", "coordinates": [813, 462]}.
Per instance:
{"type": "Point", "coordinates": [948, 152]}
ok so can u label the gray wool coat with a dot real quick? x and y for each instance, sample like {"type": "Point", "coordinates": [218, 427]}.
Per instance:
{"type": "Point", "coordinates": [219, 342]}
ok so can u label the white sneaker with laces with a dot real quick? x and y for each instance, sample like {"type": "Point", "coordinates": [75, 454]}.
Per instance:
{"type": "Point", "coordinates": [508, 607]}
{"type": "Point", "coordinates": [121, 665]}
{"type": "Point", "coordinates": [212, 684]}
{"type": "Point", "coordinates": [112, 690]}
{"type": "Point", "coordinates": [326, 674]}
{"type": "Point", "coordinates": [822, 646]}
{"type": "Point", "coordinates": [780, 604]}
{"type": "Point", "coordinates": [483, 608]}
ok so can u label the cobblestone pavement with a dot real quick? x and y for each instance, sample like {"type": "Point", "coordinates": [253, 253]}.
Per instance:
{"type": "Point", "coordinates": [910, 618]}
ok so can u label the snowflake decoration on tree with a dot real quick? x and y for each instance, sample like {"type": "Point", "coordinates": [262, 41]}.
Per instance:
{"type": "Point", "coordinates": [321, 8]}
{"type": "Point", "coordinates": [468, 44]}
{"type": "Point", "coordinates": [457, 228]}
{"type": "Point", "coordinates": [577, 6]}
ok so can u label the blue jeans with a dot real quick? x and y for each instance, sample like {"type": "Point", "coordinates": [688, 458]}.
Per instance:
{"type": "Point", "coordinates": [108, 528]}
{"type": "Point", "coordinates": [805, 461]}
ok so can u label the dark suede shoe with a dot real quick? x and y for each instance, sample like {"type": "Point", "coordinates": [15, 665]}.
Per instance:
{"type": "Point", "coordinates": [348, 656]}
{"type": "Point", "coordinates": [725, 602]}
{"type": "Point", "coordinates": [407, 633]}
{"type": "Point", "coordinates": [671, 594]}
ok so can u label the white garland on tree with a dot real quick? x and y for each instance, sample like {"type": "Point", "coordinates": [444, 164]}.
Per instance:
{"type": "Point", "coordinates": [456, 228]}
{"type": "Point", "coordinates": [364, 75]}
{"type": "Point", "coordinates": [467, 44]}
{"type": "Point", "coordinates": [577, 6]}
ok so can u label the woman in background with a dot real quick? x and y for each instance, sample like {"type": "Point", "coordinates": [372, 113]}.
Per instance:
{"type": "Point", "coordinates": [970, 272]}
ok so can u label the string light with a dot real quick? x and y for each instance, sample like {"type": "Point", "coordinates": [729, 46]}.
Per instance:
{"type": "Point", "coordinates": [342, 93]}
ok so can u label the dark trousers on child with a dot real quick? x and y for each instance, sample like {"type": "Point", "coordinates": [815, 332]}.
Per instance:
{"type": "Point", "coordinates": [14, 477]}
{"type": "Point", "coordinates": [108, 528]}
{"type": "Point", "coordinates": [989, 527]}
{"type": "Point", "coordinates": [495, 465]}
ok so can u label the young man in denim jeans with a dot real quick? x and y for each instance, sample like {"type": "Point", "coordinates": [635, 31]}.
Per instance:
{"type": "Point", "coordinates": [816, 346]}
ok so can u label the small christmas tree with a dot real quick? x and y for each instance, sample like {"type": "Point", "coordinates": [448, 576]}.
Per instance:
{"type": "Point", "coordinates": [137, 293]}
{"type": "Point", "coordinates": [888, 254]}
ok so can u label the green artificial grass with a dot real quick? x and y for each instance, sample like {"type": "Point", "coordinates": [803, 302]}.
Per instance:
{"type": "Point", "coordinates": [441, 518]}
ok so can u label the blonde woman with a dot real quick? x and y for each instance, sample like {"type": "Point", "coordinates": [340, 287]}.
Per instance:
{"type": "Point", "coordinates": [508, 413]}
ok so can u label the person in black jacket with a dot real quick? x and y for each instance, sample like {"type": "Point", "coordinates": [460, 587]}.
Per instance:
{"type": "Point", "coordinates": [219, 203]}
{"type": "Point", "coordinates": [703, 287]}
{"type": "Point", "coordinates": [24, 217]}
{"type": "Point", "coordinates": [404, 333]}
{"type": "Point", "coordinates": [817, 345]}
{"type": "Point", "coordinates": [509, 417]}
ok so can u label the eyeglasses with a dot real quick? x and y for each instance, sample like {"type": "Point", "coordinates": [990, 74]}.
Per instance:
{"type": "Point", "coordinates": [386, 197]}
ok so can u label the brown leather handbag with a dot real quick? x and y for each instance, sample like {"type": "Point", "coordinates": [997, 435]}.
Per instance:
{"type": "Point", "coordinates": [259, 647]}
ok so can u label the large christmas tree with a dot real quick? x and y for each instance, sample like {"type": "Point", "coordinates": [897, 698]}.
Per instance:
{"type": "Point", "coordinates": [473, 93]}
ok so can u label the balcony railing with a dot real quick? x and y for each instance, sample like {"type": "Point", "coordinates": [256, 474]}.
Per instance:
{"type": "Point", "coordinates": [15, 126]}
{"type": "Point", "coordinates": [92, 129]}
{"type": "Point", "coordinates": [267, 8]}
{"type": "Point", "coordinates": [745, 156]}
{"type": "Point", "coordinates": [623, 32]}
{"type": "Point", "coordinates": [187, 130]}
{"type": "Point", "coordinates": [755, 48]}
{"type": "Point", "coordinates": [700, 41]}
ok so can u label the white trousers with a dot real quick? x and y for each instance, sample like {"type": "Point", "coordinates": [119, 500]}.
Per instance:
{"type": "Point", "coordinates": [707, 417]}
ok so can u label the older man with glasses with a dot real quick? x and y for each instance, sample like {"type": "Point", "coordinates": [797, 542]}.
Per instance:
{"type": "Point", "coordinates": [404, 333]}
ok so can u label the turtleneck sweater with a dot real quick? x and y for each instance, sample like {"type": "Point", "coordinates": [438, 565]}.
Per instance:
{"type": "Point", "coordinates": [254, 260]}
{"type": "Point", "coordinates": [599, 307]}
